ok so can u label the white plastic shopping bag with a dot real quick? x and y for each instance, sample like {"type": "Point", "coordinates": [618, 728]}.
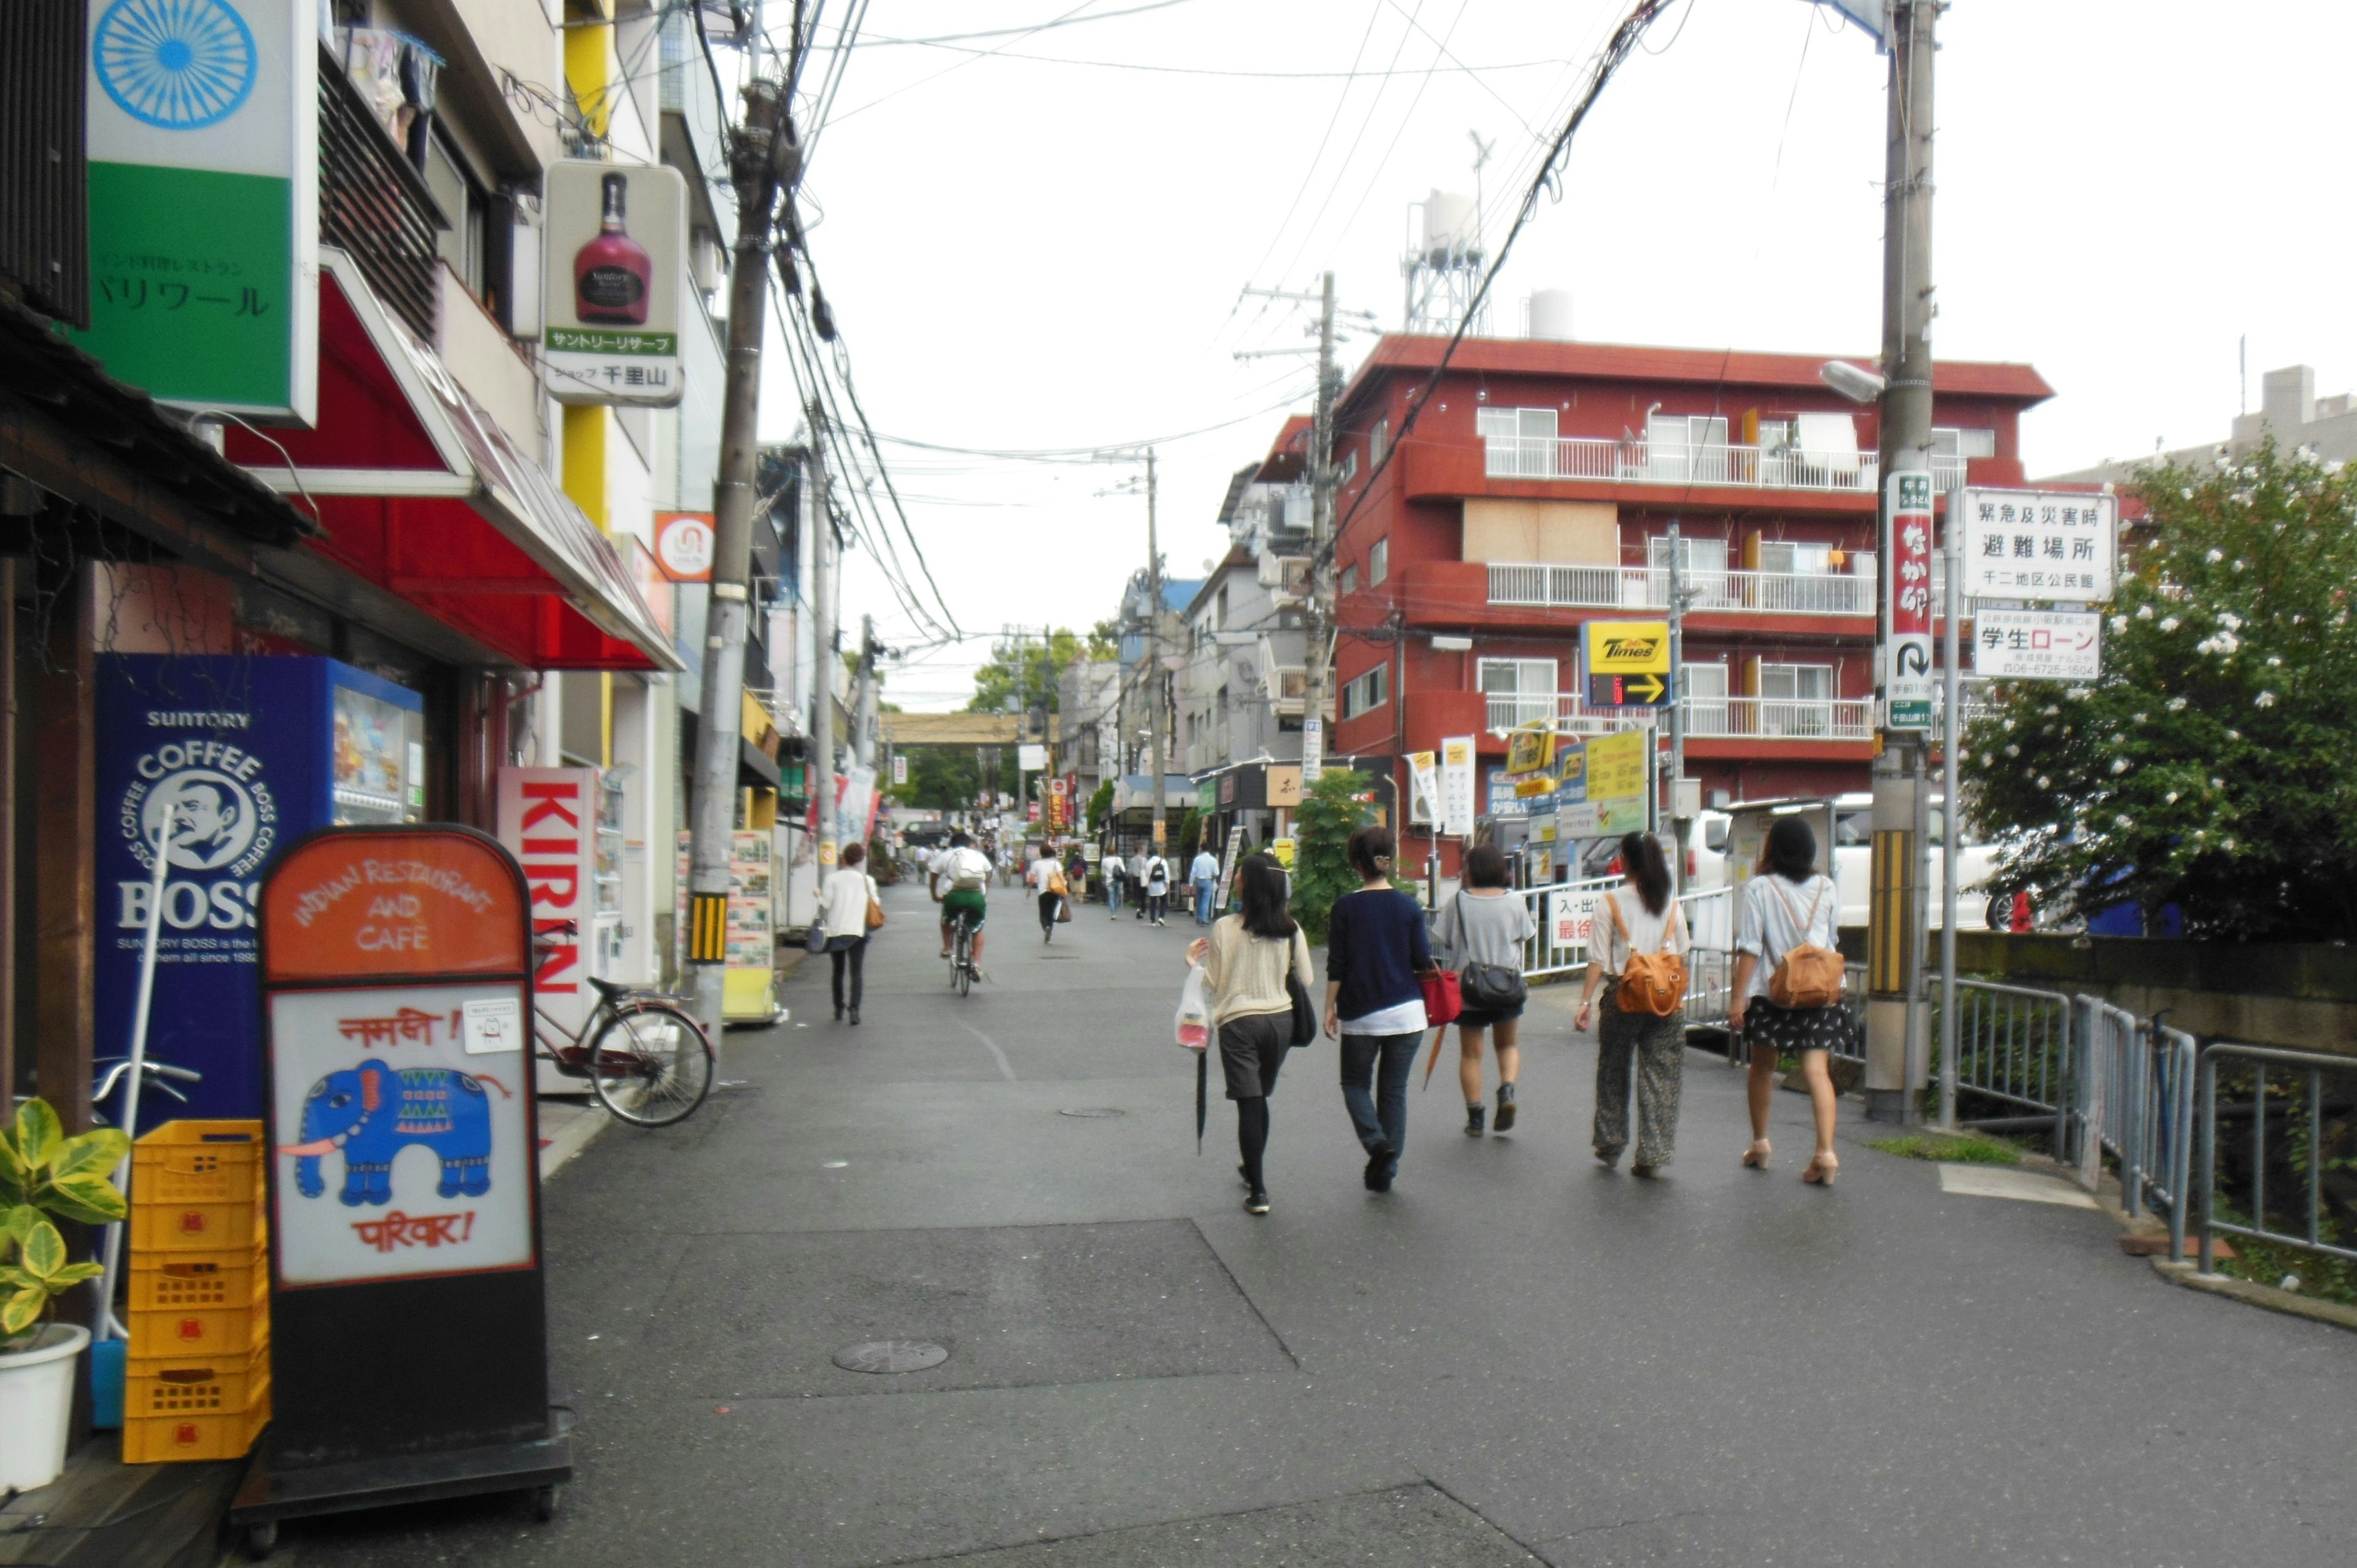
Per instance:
{"type": "Point", "coordinates": [1194, 1023]}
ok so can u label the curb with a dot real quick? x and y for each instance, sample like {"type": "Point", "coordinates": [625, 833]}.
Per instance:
{"type": "Point", "coordinates": [571, 1139]}
{"type": "Point", "coordinates": [2249, 1291]}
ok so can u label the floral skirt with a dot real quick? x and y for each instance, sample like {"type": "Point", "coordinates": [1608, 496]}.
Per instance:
{"type": "Point", "coordinates": [1767, 1025]}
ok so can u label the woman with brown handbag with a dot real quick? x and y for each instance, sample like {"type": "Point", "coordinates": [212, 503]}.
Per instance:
{"type": "Point", "coordinates": [1788, 985]}
{"type": "Point", "coordinates": [1640, 941]}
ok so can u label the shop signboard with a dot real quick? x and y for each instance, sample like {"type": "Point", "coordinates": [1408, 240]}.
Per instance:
{"type": "Point", "coordinates": [1457, 805]}
{"type": "Point", "coordinates": [1907, 679]}
{"type": "Point", "coordinates": [2053, 545]}
{"type": "Point", "coordinates": [1284, 783]}
{"type": "Point", "coordinates": [683, 541]}
{"type": "Point", "coordinates": [1423, 786]}
{"type": "Point", "coordinates": [1031, 756]}
{"type": "Point", "coordinates": [548, 821]}
{"type": "Point", "coordinates": [2038, 645]}
{"type": "Point", "coordinates": [408, 1321]}
{"type": "Point", "coordinates": [201, 119]}
{"type": "Point", "coordinates": [616, 254]}
{"type": "Point", "coordinates": [1530, 750]}
{"type": "Point", "coordinates": [241, 755]}
{"type": "Point", "coordinates": [1617, 781]}
{"type": "Point", "coordinates": [1503, 794]}
{"type": "Point", "coordinates": [1627, 663]}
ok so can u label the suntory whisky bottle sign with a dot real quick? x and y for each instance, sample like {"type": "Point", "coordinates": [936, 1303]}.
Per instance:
{"type": "Point", "coordinates": [616, 289]}
{"type": "Point", "coordinates": [202, 126]}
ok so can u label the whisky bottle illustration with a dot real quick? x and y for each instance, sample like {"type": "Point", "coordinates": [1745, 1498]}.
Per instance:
{"type": "Point", "coordinates": [612, 273]}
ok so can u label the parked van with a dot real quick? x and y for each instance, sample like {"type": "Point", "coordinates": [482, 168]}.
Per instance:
{"type": "Point", "coordinates": [1844, 826]}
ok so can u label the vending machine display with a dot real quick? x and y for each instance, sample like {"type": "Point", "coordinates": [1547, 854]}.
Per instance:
{"type": "Point", "coordinates": [229, 759]}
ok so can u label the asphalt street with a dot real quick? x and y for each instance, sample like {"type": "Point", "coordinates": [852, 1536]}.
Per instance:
{"type": "Point", "coordinates": [1514, 1356]}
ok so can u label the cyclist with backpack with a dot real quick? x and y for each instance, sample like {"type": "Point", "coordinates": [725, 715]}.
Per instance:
{"type": "Point", "coordinates": [967, 871]}
{"type": "Point", "coordinates": [1640, 941]}
{"type": "Point", "coordinates": [1788, 985]}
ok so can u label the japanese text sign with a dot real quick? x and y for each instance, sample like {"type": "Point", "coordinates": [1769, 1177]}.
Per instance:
{"type": "Point", "coordinates": [1907, 676]}
{"type": "Point", "coordinates": [2038, 645]}
{"type": "Point", "coordinates": [2038, 544]}
{"type": "Point", "coordinates": [615, 259]}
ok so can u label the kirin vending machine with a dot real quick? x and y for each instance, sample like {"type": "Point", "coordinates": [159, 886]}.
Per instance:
{"type": "Point", "coordinates": [232, 758]}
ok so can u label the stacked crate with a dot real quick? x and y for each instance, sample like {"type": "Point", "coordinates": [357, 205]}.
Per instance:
{"type": "Point", "coordinates": [198, 1382]}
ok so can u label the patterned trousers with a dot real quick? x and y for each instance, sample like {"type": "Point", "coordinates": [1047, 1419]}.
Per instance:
{"type": "Point", "coordinates": [1657, 1048]}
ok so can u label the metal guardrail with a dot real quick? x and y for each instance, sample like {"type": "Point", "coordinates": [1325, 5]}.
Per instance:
{"type": "Point", "coordinates": [2314, 1065]}
{"type": "Point", "coordinates": [2016, 1046]}
{"type": "Point", "coordinates": [2136, 1100]}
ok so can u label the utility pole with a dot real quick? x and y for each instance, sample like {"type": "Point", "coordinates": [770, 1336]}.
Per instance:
{"type": "Point", "coordinates": [1153, 655]}
{"type": "Point", "coordinates": [1316, 668]}
{"type": "Point", "coordinates": [763, 157]}
{"type": "Point", "coordinates": [1952, 690]}
{"type": "Point", "coordinates": [1677, 704]}
{"type": "Point", "coordinates": [1896, 1008]}
{"type": "Point", "coordinates": [1021, 706]}
{"type": "Point", "coordinates": [823, 635]}
{"type": "Point", "coordinates": [864, 743]}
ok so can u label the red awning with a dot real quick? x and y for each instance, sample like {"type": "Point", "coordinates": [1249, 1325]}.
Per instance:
{"type": "Point", "coordinates": [422, 493]}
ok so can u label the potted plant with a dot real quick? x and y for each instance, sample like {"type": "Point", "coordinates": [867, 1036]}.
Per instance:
{"type": "Point", "coordinates": [45, 1176]}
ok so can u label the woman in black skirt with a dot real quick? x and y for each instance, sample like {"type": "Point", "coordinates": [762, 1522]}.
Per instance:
{"type": "Point", "coordinates": [1785, 904]}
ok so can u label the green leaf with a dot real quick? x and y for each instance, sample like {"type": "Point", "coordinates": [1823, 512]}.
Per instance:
{"type": "Point", "coordinates": [22, 1310]}
{"type": "Point", "coordinates": [39, 1134]}
{"type": "Point", "coordinates": [43, 1252]}
{"type": "Point", "coordinates": [14, 1278]}
{"type": "Point", "coordinates": [90, 1199]}
{"type": "Point", "coordinates": [19, 1222]}
{"type": "Point", "coordinates": [98, 1151]}
{"type": "Point", "coordinates": [15, 1177]}
{"type": "Point", "coordinates": [73, 1275]}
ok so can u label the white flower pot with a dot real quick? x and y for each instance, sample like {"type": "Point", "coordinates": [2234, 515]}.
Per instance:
{"type": "Point", "coordinates": [37, 1405]}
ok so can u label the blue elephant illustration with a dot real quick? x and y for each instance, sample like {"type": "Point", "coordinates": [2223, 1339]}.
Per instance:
{"type": "Point", "coordinates": [374, 1111]}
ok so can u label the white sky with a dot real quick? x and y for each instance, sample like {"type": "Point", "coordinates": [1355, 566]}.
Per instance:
{"type": "Point", "coordinates": [1036, 255]}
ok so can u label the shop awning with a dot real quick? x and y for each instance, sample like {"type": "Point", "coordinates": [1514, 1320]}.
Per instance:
{"type": "Point", "coordinates": [420, 492]}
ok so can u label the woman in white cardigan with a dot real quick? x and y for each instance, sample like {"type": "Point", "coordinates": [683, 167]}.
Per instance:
{"type": "Point", "coordinates": [843, 911]}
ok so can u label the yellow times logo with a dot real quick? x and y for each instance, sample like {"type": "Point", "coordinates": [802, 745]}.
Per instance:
{"type": "Point", "coordinates": [1628, 647]}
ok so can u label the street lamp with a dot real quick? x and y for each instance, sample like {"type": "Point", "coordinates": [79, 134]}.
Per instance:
{"type": "Point", "coordinates": [1854, 381]}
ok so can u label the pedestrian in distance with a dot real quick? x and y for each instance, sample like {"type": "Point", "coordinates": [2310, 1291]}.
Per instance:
{"type": "Point", "coordinates": [1639, 921]}
{"type": "Point", "coordinates": [843, 910]}
{"type": "Point", "coordinates": [1047, 879]}
{"type": "Point", "coordinates": [1137, 882]}
{"type": "Point", "coordinates": [1375, 949]}
{"type": "Point", "coordinates": [966, 870]}
{"type": "Point", "coordinates": [1788, 985]}
{"type": "Point", "coordinates": [1156, 878]}
{"type": "Point", "coordinates": [1116, 876]}
{"type": "Point", "coordinates": [1485, 926]}
{"type": "Point", "coordinates": [1205, 875]}
{"type": "Point", "coordinates": [1246, 961]}
{"type": "Point", "coordinates": [1076, 876]}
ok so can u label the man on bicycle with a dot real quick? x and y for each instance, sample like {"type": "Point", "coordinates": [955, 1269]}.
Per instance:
{"type": "Point", "coordinates": [967, 871]}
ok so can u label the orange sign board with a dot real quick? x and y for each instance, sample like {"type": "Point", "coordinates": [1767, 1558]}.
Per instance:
{"type": "Point", "coordinates": [359, 903]}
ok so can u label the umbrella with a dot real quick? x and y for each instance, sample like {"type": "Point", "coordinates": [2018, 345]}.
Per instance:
{"type": "Point", "coordinates": [1202, 1096]}
{"type": "Point", "coordinates": [1434, 1060]}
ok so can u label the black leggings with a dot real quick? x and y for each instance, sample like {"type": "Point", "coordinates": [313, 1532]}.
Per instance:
{"type": "Point", "coordinates": [855, 955]}
{"type": "Point", "coordinates": [1251, 1137]}
{"type": "Point", "coordinates": [1050, 903]}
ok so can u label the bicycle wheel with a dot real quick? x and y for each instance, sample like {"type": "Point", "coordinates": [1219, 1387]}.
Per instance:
{"type": "Point", "coordinates": [650, 1065]}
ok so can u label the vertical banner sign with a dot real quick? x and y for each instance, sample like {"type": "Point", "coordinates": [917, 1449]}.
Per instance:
{"type": "Point", "coordinates": [408, 1328]}
{"type": "Point", "coordinates": [616, 253]}
{"type": "Point", "coordinates": [1313, 749]}
{"type": "Point", "coordinates": [1907, 679]}
{"type": "Point", "coordinates": [1456, 805]}
{"type": "Point", "coordinates": [202, 119]}
{"type": "Point", "coordinates": [548, 821]}
{"type": "Point", "coordinates": [1423, 788]}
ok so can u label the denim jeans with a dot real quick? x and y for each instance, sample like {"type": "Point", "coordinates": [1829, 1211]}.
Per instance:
{"type": "Point", "coordinates": [1359, 1054]}
{"type": "Point", "coordinates": [1112, 894]}
{"type": "Point", "coordinates": [1203, 891]}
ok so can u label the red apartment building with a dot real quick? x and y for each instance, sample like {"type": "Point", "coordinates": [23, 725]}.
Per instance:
{"type": "Point", "coordinates": [1535, 494]}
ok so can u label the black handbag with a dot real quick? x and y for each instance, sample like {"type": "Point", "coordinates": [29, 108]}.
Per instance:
{"type": "Point", "coordinates": [1305, 1011]}
{"type": "Point", "coordinates": [1489, 987]}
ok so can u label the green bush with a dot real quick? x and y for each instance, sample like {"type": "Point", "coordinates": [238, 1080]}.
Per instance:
{"type": "Point", "coordinates": [1330, 812]}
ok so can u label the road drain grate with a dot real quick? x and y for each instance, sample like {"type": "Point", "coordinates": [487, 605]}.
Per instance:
{"type": "Point", "coordinates": [891, 1356]}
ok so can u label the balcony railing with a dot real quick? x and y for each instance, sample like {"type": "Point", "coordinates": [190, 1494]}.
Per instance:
{"type": "Point", "coordinates": [1707, 718]}
{"type": "Point", "coordinates": [1648, 588]}
{"type": "Point", "coordinates": [1659, 463]}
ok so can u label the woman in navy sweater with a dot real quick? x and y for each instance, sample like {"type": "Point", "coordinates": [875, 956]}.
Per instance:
{"type": "Point", "coordinates": [1376, 945]}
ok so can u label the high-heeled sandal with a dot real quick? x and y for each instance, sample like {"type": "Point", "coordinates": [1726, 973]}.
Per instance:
{"type": "Point", "coordinates": [1755, 1157]}
{"type": "Point", "coordinates": [1821, 1170]}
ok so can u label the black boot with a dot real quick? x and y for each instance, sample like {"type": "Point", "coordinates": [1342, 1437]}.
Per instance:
{"type": "Point", "coordinates": [1473, 1115]}
{"type": "Point", "coordinates": [1505, 1107]}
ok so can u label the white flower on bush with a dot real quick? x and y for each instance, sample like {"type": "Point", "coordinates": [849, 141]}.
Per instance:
{"type": "Point", "coordinates": [2175, 704]}
{"type": "Point", "coordinates": [2263, 700]}
{"type": "Point", "coordinates": [2214, 556]}
{"type": "Point", "coordinates": [2169, 623]}
{"type": "Point", "coordinates": [2230, 620]}
{"type": "Point", "coordinates": [2119, 765]}
{"type": "Point", "coordinates": [2143, 612]}
{"type": "Point", "coordinates": [2221, 643]}
{"type": "Point", "coordinates": [2120, 623]}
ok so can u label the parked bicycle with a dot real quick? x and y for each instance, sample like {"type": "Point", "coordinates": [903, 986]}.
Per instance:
{"type": "Point", "coordinates": [962, 970]}
{"type": "Point", "coordinates": [647, 1060]}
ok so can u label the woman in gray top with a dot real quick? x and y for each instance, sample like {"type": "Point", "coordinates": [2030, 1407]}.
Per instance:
{"type": "Point", "coordinates": [1487, 923]}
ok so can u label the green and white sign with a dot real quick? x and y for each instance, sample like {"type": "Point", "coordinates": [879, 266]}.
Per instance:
{"type": "Point", "coordinates": [204, 251]}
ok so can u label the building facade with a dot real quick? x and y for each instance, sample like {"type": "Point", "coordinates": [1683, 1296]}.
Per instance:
{"type": "Point", "coordinates": [1536, 493]}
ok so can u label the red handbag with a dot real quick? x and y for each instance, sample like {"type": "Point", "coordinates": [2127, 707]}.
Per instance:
{"type": "Point", "coordinates": [1442, 999]}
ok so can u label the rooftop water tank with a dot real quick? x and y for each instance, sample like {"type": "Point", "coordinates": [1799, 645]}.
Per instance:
{"type": "Point", "coordinates": [1551, 314]}
{"type": "Point", "coordinates": [1450, 226]}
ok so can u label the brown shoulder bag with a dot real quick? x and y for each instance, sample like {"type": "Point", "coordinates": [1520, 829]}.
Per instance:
{"type": "Point", "coordinates": [1653, 984]}
{"type": "Point", "coordinates": [1807, 975]}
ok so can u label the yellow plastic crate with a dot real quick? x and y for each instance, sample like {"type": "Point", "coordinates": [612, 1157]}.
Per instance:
{"type": "Point", "coordinates": [210, 1329]}
{"type": "Point", "coordinates": [176, 1281]}
{"type": "Point", "coordinates": [217, 1228]}
{"type": "Point", "coordinates": [196, 1435]}
{"type": "Point", "coordinates": [198, 1162]}
{"type": "Point", "coordinates": [196, 1385]}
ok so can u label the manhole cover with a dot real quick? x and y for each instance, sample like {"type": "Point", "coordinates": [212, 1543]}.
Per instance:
{"type": "Point", "coordinates": [891, 1356]}
{"type": "Point", "coordinates": [1094, 1111]}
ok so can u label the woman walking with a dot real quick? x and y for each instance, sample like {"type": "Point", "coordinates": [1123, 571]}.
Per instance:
{"type": "Point", "coordinates": [1789, 912]}
{"type": "Point", "coordinates": [1246, 961]}
{"type": "Point", "coordinates": [1639, 917]}
{"type": "Point", "coordinates": [1485, 924]}
{"type": "Point", "coordinates": [1047, 879]}
{"type": "Point", "coordinates": [1157, 878]}
{"type": "Point", "coordinates": [1376, 949]}
{"type": "Point", "coordinates": [843, 907]}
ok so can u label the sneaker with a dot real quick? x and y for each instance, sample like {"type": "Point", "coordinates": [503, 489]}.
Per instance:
{"type": "Point", "coordinates": [1473, 1118]}
{"type": "Point", "coordinates": [1256, 1203]}
{"type": "Point", "coordinates": [1379, 1160]}
{"type": "Point", "coordinates": [1505, 1107]}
